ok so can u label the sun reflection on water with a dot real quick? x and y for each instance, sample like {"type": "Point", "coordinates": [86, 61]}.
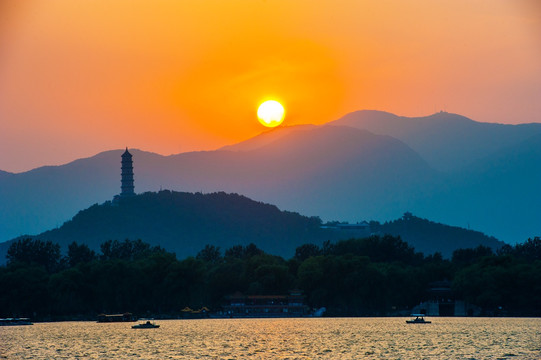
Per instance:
{"type": "Point", "coordinates": [321, 338]}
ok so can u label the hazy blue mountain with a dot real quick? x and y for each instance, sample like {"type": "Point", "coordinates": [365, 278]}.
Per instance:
{"type": "Point", "coordinates": [332, 172]}
{"type": "Point", "coordinates": [266, 137]}
{"type": "Point", "coordinates": [335, 172]}
{"type": "Point", "coordinates": [4, 173]}
{"type": "Point", "coordinates": [45, 197]}
{"type": "Point", "coordinates": [500, 192]}
{"type": "Point", "coordinates": [446, 141]}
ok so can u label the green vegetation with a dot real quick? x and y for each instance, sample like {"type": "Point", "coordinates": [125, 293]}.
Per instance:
{"type": "Point", "coordinates": [428, 235]}
{"type": "Point", "coordinates": [377, 275]}
{"type": "Point", "coordinates": [183, 222]}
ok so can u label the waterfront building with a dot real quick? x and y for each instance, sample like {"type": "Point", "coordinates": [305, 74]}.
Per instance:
{"type": "Point", "coordinates": [125, 317]}
{"type": "Point", "coordinates": [240, 305]}
{"type": "Point", "coordinates": [442, 302]}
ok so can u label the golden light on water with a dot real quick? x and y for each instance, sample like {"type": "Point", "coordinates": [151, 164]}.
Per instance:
{"type": "Point", "coordinates": [301, 338]}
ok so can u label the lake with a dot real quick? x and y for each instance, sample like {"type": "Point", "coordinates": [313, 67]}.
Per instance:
{"type": "Point", "coordinates": [304, 338]}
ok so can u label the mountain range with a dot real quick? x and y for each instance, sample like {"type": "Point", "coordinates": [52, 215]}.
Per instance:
{"type": "Point", "coordinates": [366, 165]}
{"type": "Point", "coordinates": [448, 142]}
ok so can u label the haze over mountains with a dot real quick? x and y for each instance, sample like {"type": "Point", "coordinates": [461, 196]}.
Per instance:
{"type": "Point", "coordinates": [443, 167]}
{"type": "Point", "coordinates": [446, 141]}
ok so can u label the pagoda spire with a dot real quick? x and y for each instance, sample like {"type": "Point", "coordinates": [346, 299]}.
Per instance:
{"type": "Point", "coordinates": [126, 187]}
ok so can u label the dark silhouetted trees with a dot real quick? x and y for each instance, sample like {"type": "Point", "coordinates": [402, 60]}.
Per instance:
{"type": "Point", "coordinates": [35, 252]}
{"type": "Point", "coordinates": [464, 257]}
{"type": "Point", "coordinates": [305, 251]}
{"type": "Point", "coordinates": [210, 253]}
{"type": "Point", "coordinates": [378, 275]}
{"type": "Point", "coordinates": [126, 250]}
{"type": "Point", "coordinates": [243, 252]}
{"type": "Point", "coordinates": [79, 254]}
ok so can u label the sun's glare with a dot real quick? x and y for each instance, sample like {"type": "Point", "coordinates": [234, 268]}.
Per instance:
{"type": "Point", "coordinates": [271, 113]}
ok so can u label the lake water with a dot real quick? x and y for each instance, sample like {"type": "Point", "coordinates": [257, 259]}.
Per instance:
{"type": "Point", "coordinates": [307, 338]}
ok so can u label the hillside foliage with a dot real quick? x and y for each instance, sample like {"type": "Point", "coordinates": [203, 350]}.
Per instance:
{"type": "Point", "coordinates": [426, 234]}
{"type": "Point", "coordinates": [184, 222]}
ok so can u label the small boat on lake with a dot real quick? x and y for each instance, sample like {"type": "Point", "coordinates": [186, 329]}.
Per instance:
{"type": "Point", "coordinates": [15, 321]}
{"type": "Point", "coordinates": [418, 319]}
{"type": "Point", "coordinates": [146, 325]}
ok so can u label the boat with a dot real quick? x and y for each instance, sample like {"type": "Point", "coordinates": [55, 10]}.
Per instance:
{"type": "Point", "coordinates": [146, 325]}
{"type": "Point", "coordinates": [126, 317]}
{"type": "Point", "coordinates": [15, 321]}
{"type": "Point", "coordinates": [418, 319]}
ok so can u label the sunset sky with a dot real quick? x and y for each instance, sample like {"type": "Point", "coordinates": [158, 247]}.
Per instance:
{"type": "Point", "coordinates": [81, 77]}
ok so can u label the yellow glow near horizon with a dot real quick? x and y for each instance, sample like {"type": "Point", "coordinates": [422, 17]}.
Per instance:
{"type": "Point", "coordinates": [270, 113]}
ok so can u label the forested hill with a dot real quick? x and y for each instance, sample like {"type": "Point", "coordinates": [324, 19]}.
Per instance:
{"type": "Point", "coordinates": [427, 236]}
{"type": "Point", "coordinates": [185, 222]}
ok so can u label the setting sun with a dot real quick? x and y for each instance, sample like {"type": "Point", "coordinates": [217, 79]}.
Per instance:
{"type": "Point", "coordinates": [270, 113]}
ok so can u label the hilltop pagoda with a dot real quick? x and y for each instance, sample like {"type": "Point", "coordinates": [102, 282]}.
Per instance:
{"type": "Point", "coordinates": [127, 188]}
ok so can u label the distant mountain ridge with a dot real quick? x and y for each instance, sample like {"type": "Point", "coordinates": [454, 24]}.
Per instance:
{"type": "Point", "coordinates": [266, 138]}
{"type": "Point", "coordinates": [298, 172]}
{"type": "Point", "coordinates": [446, 141]}
{"type": "Point", "coordinates": [333, 171]}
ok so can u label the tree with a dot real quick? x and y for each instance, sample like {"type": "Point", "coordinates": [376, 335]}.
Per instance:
{"type": "Point", "coordinates": [274, 279]}
{"type": "Point", "coordinates": [127, 249]}
{"type": "Point", "coordinates": [24, 291]}
{"type": "Point", "coordinates": [37, 252]}
{"type": "Point", "coordinates": [209, 254]}
{"type": "Point", "coordinates": [379, 249]}
{"type": "Point", "coordinates": [530, 250]}
{"type": "Point", "coordinates": [225, 279]}
{"type": "Point", "coordinates": [463, 257]}
{"type": "Point", "coordinates": [243, 252]}
{"type": "Point", "coordinates": [328, 248]}
{"type": "Point", "coordinates": [69, 292]}
{"type": "Point", "coordinates": [252, 250]}
{"type": "Point", "coordinates": [79, 254]}
{"type": "Point", "coordinates": [236, 252]}
{"type": "Point", "coordinates": [305, 251]}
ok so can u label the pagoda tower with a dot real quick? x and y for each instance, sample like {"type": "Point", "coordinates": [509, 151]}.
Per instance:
{"type": "Point", "coordinates": [127, 188]}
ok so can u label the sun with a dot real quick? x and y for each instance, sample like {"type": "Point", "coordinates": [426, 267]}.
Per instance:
{"type": "Point", "coordinates": [271, 113]}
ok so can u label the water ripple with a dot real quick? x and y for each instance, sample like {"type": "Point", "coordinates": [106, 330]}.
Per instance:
{"type": "Point", "coordinates": [291, 339]}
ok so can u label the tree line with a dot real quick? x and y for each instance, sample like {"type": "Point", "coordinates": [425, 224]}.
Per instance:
{"type": "Point", "coordinates": [373, 276]}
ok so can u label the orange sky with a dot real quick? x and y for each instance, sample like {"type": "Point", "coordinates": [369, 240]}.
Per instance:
{"type": "Point", "coordinates": [81, 77]}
